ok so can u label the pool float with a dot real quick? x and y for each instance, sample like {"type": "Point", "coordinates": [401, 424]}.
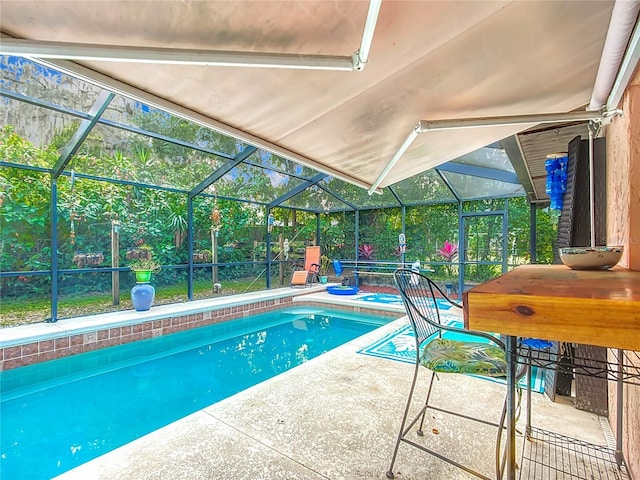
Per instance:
{"type": "Point", "coordinates": [342, 290]}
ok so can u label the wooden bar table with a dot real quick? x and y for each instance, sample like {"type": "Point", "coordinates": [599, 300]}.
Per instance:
{"type": "Point", "coordinates": [554, 302]}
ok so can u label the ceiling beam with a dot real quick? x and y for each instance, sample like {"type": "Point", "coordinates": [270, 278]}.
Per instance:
{"type": "Point", "coordinates": [361, 56]}
{"type": "Point", "coordinates": [480, 172]}
{"type": "Point", "coordinates": [85, 127]}
{"type": "Point", "coordinates": [171, 56]}
{"type": "Point", "coordinates": [449, 186]}
{"type": "Point", "coordinates": [220, 172]}
{"type": "Point", "coordinates": [516, 157]}
{"type": "Point", "coordinates": [392, 163]}
{"type": "Point", "coordinates": [456, 123]}
{"type": "Point", "coordinates": [295, 191]}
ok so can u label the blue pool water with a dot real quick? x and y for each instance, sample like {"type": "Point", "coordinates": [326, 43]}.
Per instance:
{"type": "Point", "coordinates": [397, 300]}
{"type": "Point", "coordinates": [59, 414]}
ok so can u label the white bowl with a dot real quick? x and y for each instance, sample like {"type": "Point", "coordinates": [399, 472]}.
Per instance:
{"type": "Point", "coordinates": [591, 258]}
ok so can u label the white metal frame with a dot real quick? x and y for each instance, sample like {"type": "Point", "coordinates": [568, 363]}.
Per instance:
{"type": "Point", "coordinates": [179, 56]}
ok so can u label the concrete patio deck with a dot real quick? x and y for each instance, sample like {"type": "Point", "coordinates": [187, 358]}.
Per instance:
{"type": "Point", "coordinates": [334, 417]}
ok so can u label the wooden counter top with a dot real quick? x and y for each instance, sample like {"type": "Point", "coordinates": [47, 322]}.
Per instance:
{"type": "Point", "coordinates": [555, 302]}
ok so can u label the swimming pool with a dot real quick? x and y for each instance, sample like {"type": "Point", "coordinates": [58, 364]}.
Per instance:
{"type": "Point", "coordinates": [391, 299]}
{"type": "Point", "coordinates": [57, 415]}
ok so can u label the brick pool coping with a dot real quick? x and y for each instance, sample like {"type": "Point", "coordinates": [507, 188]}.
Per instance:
{"type": "Point", "coordinates": [30, 344]}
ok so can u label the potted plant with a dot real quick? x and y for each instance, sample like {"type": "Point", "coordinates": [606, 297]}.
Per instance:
{"type": "Point", "coordinates": [138, 252]}
{"type": "Point", "coordinates": [143, 293]}
{"type": "Point", "coordinates": [449, 252]}
{"type": "Point", "coordinates": [143, 268]}
{"type": "Point", "coordinates": [92, 258]}
{"type": "Point", "coordinates": [325, 265]}
{"type": "Point", "coordinates": [202, 256]}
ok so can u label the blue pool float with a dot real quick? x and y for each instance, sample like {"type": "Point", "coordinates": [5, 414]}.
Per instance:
{"type": "Point", "coordinates": [342, 290]}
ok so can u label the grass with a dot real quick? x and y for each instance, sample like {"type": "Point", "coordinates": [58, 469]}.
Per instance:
{"type": "Point", "coordinates": [28, 310]}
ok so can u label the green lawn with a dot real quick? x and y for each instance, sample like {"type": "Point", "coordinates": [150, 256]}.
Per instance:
{"type": "Point", "coordinates": [27, 310]}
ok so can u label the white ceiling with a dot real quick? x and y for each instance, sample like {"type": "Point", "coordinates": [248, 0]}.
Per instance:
{"type": "Point", "coordinates": [429, 60]}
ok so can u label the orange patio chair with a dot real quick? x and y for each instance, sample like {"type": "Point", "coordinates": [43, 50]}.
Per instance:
{"type": "Point", "coordinates": [311, 270]}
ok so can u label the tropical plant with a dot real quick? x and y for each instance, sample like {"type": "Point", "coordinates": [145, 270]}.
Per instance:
{"type": "Point", "coordinates": [366, 251]}
{"type": "Point", "coordinates": [325, 265]}
{"type": "Point", "coordinates": [449, 252]}
{"type": "Point", "coordinates": [144, 264]}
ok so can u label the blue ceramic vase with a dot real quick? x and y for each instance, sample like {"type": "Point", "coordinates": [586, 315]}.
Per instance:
{"type": "Point", "coordinates": [142, 295]}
